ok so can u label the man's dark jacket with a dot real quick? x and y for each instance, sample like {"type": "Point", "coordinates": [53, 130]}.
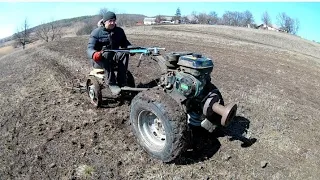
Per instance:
{"type": "Point", "coordinates": [112, 39]}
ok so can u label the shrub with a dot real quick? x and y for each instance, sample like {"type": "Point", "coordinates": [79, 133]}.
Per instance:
{"type": "Point", "coordinates": [85, 30]}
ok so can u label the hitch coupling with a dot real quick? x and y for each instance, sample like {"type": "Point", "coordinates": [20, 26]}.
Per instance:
{"type": "Point", "coordinates": [212, 106]}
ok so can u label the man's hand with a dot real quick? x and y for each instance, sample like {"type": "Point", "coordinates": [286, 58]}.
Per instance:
{"type": "Point", "coordinates": [108, 55]}
{"type": "Point", "coordinates": [97, 56]}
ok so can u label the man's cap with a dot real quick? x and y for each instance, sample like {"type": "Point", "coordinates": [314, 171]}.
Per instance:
{"type": "Point", "coordinates": [109, 15]}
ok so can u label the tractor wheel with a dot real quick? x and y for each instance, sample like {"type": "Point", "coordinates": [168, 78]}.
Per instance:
{"type": "Point", "coordinates": [94, 91]}
{"type": "Point", "coordinates": [159, 124]}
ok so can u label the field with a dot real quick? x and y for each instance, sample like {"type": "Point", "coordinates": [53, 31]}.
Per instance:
{"type": "Point", "coordinates": [50, 131]}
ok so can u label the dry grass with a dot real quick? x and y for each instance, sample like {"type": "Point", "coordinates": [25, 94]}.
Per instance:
{"type": "Point", "coordinates": [6, 50]}
{"type": "Point", "coordinates": [85, 172]}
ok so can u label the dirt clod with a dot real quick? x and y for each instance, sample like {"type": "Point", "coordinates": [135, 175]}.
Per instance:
{"type": "Point", "coordinates": [226, 157]}
{"type": "Point", "coordinates": [52, 165]}
{"type": "Point", "coordinates": [263, 164]}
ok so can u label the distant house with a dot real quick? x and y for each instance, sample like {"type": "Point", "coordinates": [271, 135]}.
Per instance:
{"type": "Point", "coordinates": [139, 23]}
{"type": "Point", "coordinates": [270, 27]}
{"type": "Point", "coordinates": [191, 19]}
{"type": "Point", "coordinates": [262, 26]}
{"type": "Point", "coordinates": [149, 21]}
{"type": "Point", "coordinates": [160, 20]}
{"type": "Point", "coordinates": [167, 20]}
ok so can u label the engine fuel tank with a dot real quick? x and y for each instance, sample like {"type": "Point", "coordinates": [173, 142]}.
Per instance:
{"type": "Point", "coordinates": [195, 61]}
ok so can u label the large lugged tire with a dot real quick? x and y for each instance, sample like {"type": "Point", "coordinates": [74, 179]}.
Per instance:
{"type": "Point", "coordinates": [159, 124]}
{"type": "Point", "coordinates": [94, 91]}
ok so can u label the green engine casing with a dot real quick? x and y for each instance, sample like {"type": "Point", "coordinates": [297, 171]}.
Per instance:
{"type": "Point", "coordinates": [188, 85]}
{"type": "Point", "coordinates": [192, 72]}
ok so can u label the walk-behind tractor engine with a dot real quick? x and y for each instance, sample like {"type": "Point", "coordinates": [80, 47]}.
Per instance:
{"type": "Point", "coordinates": [188, 81]}
{"type": "Point", "coordinates": [162, 117]}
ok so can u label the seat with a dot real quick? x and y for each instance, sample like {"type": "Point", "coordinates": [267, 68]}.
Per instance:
{"type": "Point", "coordinates": [99, 73]}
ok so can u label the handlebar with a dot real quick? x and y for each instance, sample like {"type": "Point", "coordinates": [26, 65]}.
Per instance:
{"type": "Point", "coordinates": [137, 50]}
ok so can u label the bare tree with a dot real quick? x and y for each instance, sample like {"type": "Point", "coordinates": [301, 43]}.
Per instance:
{"type": "Point", "coordinates": [125, 20]}
{"type": "Point", "coordinates": [235, 18]}
{"type": "Point", "coordinates": [48, 31]}
{"type": "Point", "coordinates": [213, 17]}
{"type": "Point", "coordinates": [194, 18]}
{"type": "Point", "coordinates": [103, 11]}
{"type": "Point", "coordinates": [22, 36]}
{"type": "Point", "coordinates": [204, 18]}
{"type": "Point", "coordinates": [266, 18]}
{"type": "Point", "coordinates": [121, 20]}
{"type": "Point", "coordinates": [297, 26]}
{"type": "Point", "coordinates": [185, 20]}
{"type": "Point", "coordinates": [231, 18]}
{"type": "Point", "coordinates": [247, 18]}
{"type": "Point", "coordinates": [42, 32]}
{"type": "Point", "coordinates": [56, 31]}
{"type": "Point", "coordinates": [288, 24]}
{"type": "Point", "coordinates": [201, 18]}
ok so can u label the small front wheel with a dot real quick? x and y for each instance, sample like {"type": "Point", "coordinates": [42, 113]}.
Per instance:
{"type": "Point", "coordinates": [94, 91]}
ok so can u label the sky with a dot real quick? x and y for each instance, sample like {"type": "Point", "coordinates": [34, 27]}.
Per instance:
{"type": "Point", "coordinates": [13, 13]}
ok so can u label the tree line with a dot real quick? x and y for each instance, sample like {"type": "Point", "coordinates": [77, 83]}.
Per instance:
{"type": "Point", "coordinates": [51, 31]}
{"type": "Point", "coordinates": [240, 19]}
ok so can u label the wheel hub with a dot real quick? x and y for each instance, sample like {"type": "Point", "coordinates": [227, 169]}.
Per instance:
{"type": "Point", "coordinates": [91, 92]}
{"type": "Point", "coordinates": [152, 129]}
{"type": "Point", "coordinates": [159, 127]}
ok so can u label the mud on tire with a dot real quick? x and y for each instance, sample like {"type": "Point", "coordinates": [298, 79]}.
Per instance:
{"type": "Point", "coordinates": [159, 124]}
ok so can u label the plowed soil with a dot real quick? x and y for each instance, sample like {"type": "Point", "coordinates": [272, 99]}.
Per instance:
{"type": "Point", "coordinates": [49, 130]}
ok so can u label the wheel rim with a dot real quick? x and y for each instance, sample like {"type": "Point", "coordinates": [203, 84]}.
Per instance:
{"type": "Point", "coordinates": [152, 130]}
{"type": "Point", "coordinates": [92, 94]}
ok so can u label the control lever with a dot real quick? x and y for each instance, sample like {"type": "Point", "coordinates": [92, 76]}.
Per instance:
{"type": "Point", "coordinates": [140, 58]}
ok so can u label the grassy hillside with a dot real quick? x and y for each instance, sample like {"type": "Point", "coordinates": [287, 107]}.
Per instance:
{"type": "Point", "coordinates": [71, 26]}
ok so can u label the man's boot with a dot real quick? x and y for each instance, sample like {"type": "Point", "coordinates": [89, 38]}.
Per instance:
{"type": "Point", "coordinates": [111, 80]}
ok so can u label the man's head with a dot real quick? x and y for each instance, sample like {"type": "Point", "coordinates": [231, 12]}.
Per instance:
{"type": "Point", "coordinates": [109, 20]}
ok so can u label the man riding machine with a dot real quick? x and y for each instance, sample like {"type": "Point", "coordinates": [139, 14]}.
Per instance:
{"type": "Point", "coordinates": [109, 37]}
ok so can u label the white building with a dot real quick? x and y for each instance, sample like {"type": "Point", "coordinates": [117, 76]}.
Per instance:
{"type": "Point", "coordinates": [271, 27]}
{"type": "Point", "coordinates": [149, 21]}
